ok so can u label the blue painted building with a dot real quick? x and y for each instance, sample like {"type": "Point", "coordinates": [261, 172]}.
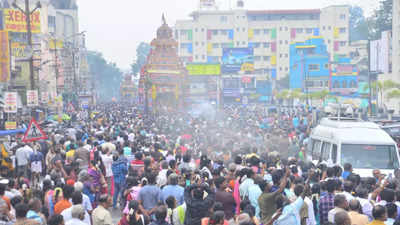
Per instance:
{"type": "Point", "coordinates": [309, 65]}
{"type": "Point", "coordinates": [344, 81]}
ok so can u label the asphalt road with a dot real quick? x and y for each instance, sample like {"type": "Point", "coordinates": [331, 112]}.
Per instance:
{"type": "Point", "coordinates": [116, 215]}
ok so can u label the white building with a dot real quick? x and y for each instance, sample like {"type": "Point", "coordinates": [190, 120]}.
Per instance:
{"type": "Point", "coordinates": [396, 40]}
{"type": "Point", "coordinates": [270, 32]}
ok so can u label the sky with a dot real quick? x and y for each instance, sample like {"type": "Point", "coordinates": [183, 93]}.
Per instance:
{"type": "Point", "coordinates": [116, 27]}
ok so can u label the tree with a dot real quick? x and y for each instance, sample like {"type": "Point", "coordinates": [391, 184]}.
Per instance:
{"type": "Point", "coordinates": [393, 94]}
{"type": "Point", "coordinates": [358, 24]}
{"type": "Point", "coordinates": [142, 51]}
{"type": "Point", "coordinates": [106, 76]}
{"type": "Point", "coordinates": [380, 88]}
{"type": "Point", "coordinates": [381, 20]}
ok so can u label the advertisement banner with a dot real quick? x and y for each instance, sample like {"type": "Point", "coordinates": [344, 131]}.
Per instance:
{"type": "Point", "coordinates": [15, 21]}
{"type": "Point", "coordinates": [4, 57]}
{"type": "Point", "coordinates": [204, 69]}
{"type": "Point", "coordinates": [237, 60]}
{"type": "Point", "coordinates": [10, 102]}
{"type": "Point", "coordinates": [18, 50]}
{"type": "Point", "coordinates": [56, 44]}
{"type": "Point", "coordinates": [11, 125]}
{"type": "Point", "coordinates": [32, 98]}
{"type": "Point", "coordinates": [44, 97]}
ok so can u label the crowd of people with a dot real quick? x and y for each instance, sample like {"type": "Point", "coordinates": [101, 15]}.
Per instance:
{"type": "Point", "coordinates": [243, 167]}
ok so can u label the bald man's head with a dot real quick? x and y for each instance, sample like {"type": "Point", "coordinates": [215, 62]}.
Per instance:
{"type": "Point", "coordinates": [354, 205]}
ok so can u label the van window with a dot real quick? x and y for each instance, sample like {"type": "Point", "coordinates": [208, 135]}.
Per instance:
{"type": "Point", "coordinates": [369, 156]}
{"type": "Point", "coordinates": [326, 147]}
{"type": "Point", "coordinates": [334, 153]}
{"type": "Point", "coordinates": [316, 150]}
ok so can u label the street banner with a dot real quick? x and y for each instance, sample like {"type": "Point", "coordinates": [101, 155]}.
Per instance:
{"type": "Point", "coordinates": [4, 57]}
{"type": "Point", "coordinates": [11, 125]}
{"type": "Point", "coordinates": [44, 97]}
{"type": "Point", "coordinates": [34, 132]}
{"type": "Point", "coordinates": [32, 98]}
{"type": "Point", "coordinates": [153, 92]}
{"type": "Point", "coordinates": [1, 20]}
{"type": "Point", "coordinates": [10, 102]}
{"type": "Point", "coordinates": [15, 21]}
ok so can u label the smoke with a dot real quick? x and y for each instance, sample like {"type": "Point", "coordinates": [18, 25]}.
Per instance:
{"type": "Point", "coordinates": [204, 109]}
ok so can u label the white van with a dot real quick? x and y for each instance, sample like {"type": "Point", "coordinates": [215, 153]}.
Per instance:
{"type": "Point", "coordinates": [362, 144]}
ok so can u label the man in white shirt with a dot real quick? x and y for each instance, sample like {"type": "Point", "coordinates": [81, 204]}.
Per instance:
{"type": "Point", "coordinates": [22, 156]}
{"type": "Point", "coordinates": [68, 213]}
{"type": "Point", "coordinates": [87, 205]}
{"type": "Point", "coordinates": [77, 216]}
{"type": "Point", "coordinates": [341, 204]}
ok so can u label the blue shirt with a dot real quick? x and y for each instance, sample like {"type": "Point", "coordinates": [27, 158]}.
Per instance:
{"type": "Point", "coordinates": [291, 213]}
{"type": "Point", "coordinates": [174, 190]}
{"type": "Point", "coordinates": [149, 196]}
{"type": "Point", "coordinates": [254, 194]}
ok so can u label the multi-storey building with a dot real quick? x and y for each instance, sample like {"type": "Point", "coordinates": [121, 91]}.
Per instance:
{"type": "Point", "coordinates": [269, 32]}
{"type": "Point", "coordinates": [396, 40]}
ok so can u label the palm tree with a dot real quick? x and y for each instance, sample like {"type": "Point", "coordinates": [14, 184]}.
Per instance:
{"type": "Point", "coordinates": [380, 88]}
{"type": "Point", "coordinates": [282, 95]}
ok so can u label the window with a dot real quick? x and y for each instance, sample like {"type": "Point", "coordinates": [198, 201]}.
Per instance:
{"type": "Point", "coordinates": [243, 43]}
{"type": "Point", "coordinates": [202, 43]}
{"type": "Point", "coordinates": [343, 43]}
{"type": "Point", "coordinates": [196, 57]}
{"type": "Point", "coordinates": [309, 30]}
{"type": "Point", "coordinates": [52, 21]}
{"type": "Point", "coordinates": [215, 32]}
{"type": "Point", "coordinates": [224, 32]}
{"type": "Point", "coordinates": [286, 42]}
{"type": "Point", "coordinates": [257, 58]}
{"type": "Point", "coordinates": [280, 42]}
{"type": "Point", "coordinates": [266, 58]}
{"type": "Point", "coordinates": [369, 156]}
{"type": "Point", "coordinates": [238, 29]}
{"type": "Point", "coordinates": [203, 57]}
{"type": "Point", "coordinates": [334, 153]}
{"type": "Point", "coordinates": [299, 30]}
{"type": "Point", "coordinates": [336, 84]}
{"type": "Point", "coordinates": [266, 31]}
{"type": "Point", "coordinates": [225, 45]}
{"type": "Point", "coordinates": [257, 32]}
{"type": "Point", "coordinates": [353, 84]}
{"type": "Point", "coordinates": [183, 32]}
{"type": "Point", "coordinates": [344, 84]}
{"type": "Point", "coordinates": [280, 68]}
{"type": "Point", "coordinates": [202, 29]}
{"type": "Point", "coordinates": [342, 16]}
{"type": "Point", "coordinates": [326, 66]}
{"type": "Point", "coordinates": [323, 28]}
{"type": "Point", "coordinates": [280, 55]}
{"type": "Point", "coordinates": [196, 43]}
{"type": "Point", "coordinates": [257, 45]}
{"type": "Point", "coordinates": [195, 29]}
{"type": "Point", "coordinates": [316, 149]}
{"type": "Point", "coordinates": [329, 28]}
{"type": "Point", "coordinates": [286, 55]}
{"type": "Point", "coordinates": [280, 28]}
{"type": "Point", "coordinates": [286, 28]}
{"type": "Point", "coordinates": [342, 30]}
{"type": "Point", "coordinates": [183, 45]}
{"type": "Point", "coordinates": [313, 67]}
{"type": "Point", "coordinates": [326, 147]}
{"type": "Point", "coordinates": [326, 83]}
{"type": "Point", "coordinates": [243, 29]}
{"type": "Point", "coordinates": [237, 43]}
{"type": "Point", "coordinates": [286, 69]}
{"type": "Point", "coordinates": [329, 41]}
{"type": "Point", "coordinates": [216, 45]}
{"type": "Point", "coordinates": [266, 45]}
{"type": "Point", "coordinates": [224, 19]}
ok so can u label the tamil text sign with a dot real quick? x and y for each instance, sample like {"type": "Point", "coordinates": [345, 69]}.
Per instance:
{"type": "Point", "coordinates": [10, 102]}
{"type": "Point", "coordinates": [204, 69]}
{"type": "Point", "coordinates": [32, 98]}
{"type": "Point", "coordinates": [15, 21]}
{"type": "Point", "coordinates": [237, 60]}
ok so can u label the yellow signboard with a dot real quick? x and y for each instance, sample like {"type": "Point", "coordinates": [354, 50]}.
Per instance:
{"type": "Point", "coordinates": [15, 21]}
{"type": "Point", "coordinates": [56, 44]}
{"type": "Point", "coordinates": [247, 67]}
{"type": "Point", "coordinates": [4, 57]}
{"type": "Point", "coordinates": [204, 69]}
{"type": "Point", "coordinates": [153, 92]}
{"type": "Point", "coordinates": [11, 125]}
{"type": "Point", "coordinates": [18, 49]}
